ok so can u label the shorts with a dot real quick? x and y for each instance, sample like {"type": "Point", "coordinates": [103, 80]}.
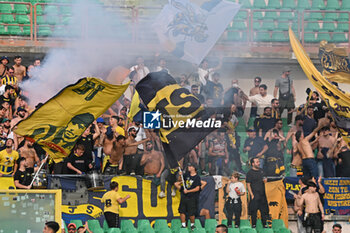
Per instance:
{"type": "Point", "coordinates": [110, 169]}
{"type": "Point", "coordinates": [112, 219]}
{"type": "Point", "coordinates": [314, 221]}
{"type": "Point", "coordinates": [188, 206]}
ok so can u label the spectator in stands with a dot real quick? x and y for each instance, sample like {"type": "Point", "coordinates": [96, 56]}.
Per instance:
{"type": "Point", "coordinates": [22, 177]}
{"type": "Point", "coordinates": [255, 146]}
{"type": "Point", "coordinates": [217, 90]}
{"type": "Point", "coordinates": [111, 201]}
{"type": "Point", "coordinates": [162, 65]}
{"type": "Point", "coordinates": [343, 161]}
{"type": "Point", "coordinates": [274, 160]}
{"type": "Point", "coordinates": [296, 164]}
{"type": "Point", "coordinates": [189, 194]}
{"type": "Point", "coordinates": [87, 140]}
{"type": "Point", "coordinates": [287, 96]}
{"type": "Point", "coordinates": [140, 68]}
{"type": "Point", "coordinates": [28, 152]}
{"type": "Point", "coordinates": [265, 122]}
{"type": "Point", "coordinates": [252, 92]}
{"type": "Point", "coordinates": [117, 124]}
{"type": "Point", "coordinates": [235, 190]}
{"type": "Point", "coordinates": [234, 95]}
{"type": "Point", "coordinates": [19, 69]}
{"type": "Point", "coordinates": [309, 123]}
{"type": "Point", "coordinates": [21, 115]}
{"type": "Point", "coordinates": [37, 62]}
{"type": "Point", "coordinates": [256, 187]}
{"type": "Point", "coordinates": [131, 159]}
{"type": "Point", "coordinates": [152, 162]}
{"type": "Point", "coordinates": [3, 66]}
{"type": "Point", "coordinates": [10, 78]}
{"type": "Point", "coordinates": [275, 111]}
{"type": "Point", "coordinates": [261, 100]}
{"type": "Point", "coordinates": [8, 158]}
{"type": "Point", "coordinates": [51, 227]}
{"type": "Point", "coordinates": [326, 155]}
{"type": "Point", "coordinates": [336, 228]}
{"type": "Point", "coordinates": [76, 163]}
{"type": "Point", "coordinates": [84, 229]}
{"type": "Point", "coordinates": [72, 228]}
{"type": "Point", "coordinates": [319, 105]}
{"type": "Point", "coordinates": [222, 228]}
{"type": "Point", "coordinates": [205, 73]}
{"type": "Point", "coordinates": [218, 154]}
{"type": "Point", "coordinates": [7, 96]}
{"type": "Point", "coordinates": [195, 92]}
{"type": "Point", "coordinates": [183, 82]}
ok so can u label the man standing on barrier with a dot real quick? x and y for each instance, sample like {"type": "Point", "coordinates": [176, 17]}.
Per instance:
{"type": "Point", "coordinates": [189, 194]}
{"type": "Point", "coordinates": [256, 188]}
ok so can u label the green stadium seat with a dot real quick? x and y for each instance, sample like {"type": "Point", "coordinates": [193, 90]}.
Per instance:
{"type": "Point", "coordinates": [248, 230]}
{"type": "Point", "coordinates": [77, 222]}
{"type": "Point", "coordinates": [99, 230]}
{"type": "Point", "coordinates": [183, 230]}
{"type": "Point", "coordinates": [328, 27]}
{"type": "Point", "coordinates": [197, 223]}
{"type": "Point", "coordinates": [66, 10]}
{"type": "Point", "coordinates": [126, 224]}
{"type": "Point", "coordinates": [330, 16]}
{"type": "Point", "coordinates": [333, 5]}
{"type": "Point", "coordinates": [199, 230]}
{"type": "Point", "coordinates": [245, 4]}
{"type": "Point", "coordinates": [245, 223]}
{"type": "Point", "coordinates": [263, 36]}
{"type": "Point", "coordinates": [259, 225]}
{"type": "Point", "coordinates": [342, 27]}
{"type": "Point", "coordinates": [268, 25]}
{"type": "Point", "coordinates": [241, 15]}
{"type": "Point", "coordinates": [286, 15]}
{"type": "Point", "coordinates": [345, 5]}
{"type": "Point", "coordinates": [279, 37]}
{"type": "Point", "coordinates": [130, 230]}
{"type": "Point", "coordinates": [284, 230]}
{"type": "Point", "coordinates": [312, 27]}
{"type": "Point", "coordinates": [239, 25]}
{"type": "Point", "coordinates": [142, 222]}
{"type": "Point", "coordinates": [224, 221]}
{"type": "Point", "coordinates": [160, 223]}
{"type": "Point", "coordinates": [5, 8]}
{"type": "Point", "coordinates": [175, 224]}
{"type": "Point", "coordinates": [233, 230]}
{"type": "Point", "coordinates": [343, 17]}
{"type": "Point", "coordinates": [324, 36]}
{"type": "Point", "coordinates": [52, 19]}
{"type": "Point", "coordinates": [288, 4]}
{"type": "Point", "coordinates": [52, 10]}
{"type": "Point", "coordinates": [40, 20]}
{"type": "Point", "coordinates": [271, 15]}
{"type": "Point", "coordinates": [313, 16]}
{"type": "Point", "coordinates": [7, 19]}
{"type": "Point", "coordinates": [210, 223]}
{"type": "Point", "coordinates": [146, 230]}
{"type": "Point", "coordinates": [274, 4]}
{"type": "Point", "coordinates": [94, 225]}
{"type": "Point", "coordinates": [44, 31]}
{"type": "Point", "coordinates": [39, 10]}
{"type": "Point", "coordinates": [22, 19]}
{"type": "Point", "coordinates": [3, 30]}
{"type": "Point", "coordinates": [318, 5]}
{"type": "Point", "coordinates": [283, 26]}
{"type": "Point", "coordinates": [259, 4]}
{"type": "Point", "coordinates": [339, 38]}
{"type": "Point", "coordinates": [113, 230]}
{"type": "Point", "coordinates": [105, 225]}
{"type": "Point", "coordinates": [266, 230]}
{"type": "Point", "coordinates": [256, 25]}
{"type": "Point", "coordinates": [20, 9]}
{"type": "Point", "coordinates": [257, 15]}
{"type": "Point", "coordinates": [303, 5]}
{"type": "Point", "coordinates": [14, 30]}
{"type": "Point", "coordinates": [277, 224]}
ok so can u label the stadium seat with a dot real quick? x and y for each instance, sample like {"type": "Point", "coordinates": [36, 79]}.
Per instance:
{"type": "Point", "coordinates": [343, 17]}
{"type": "Point", "coordinates": [259, 225]}
{"type": "Point", "coordinates": [248, 230]}
{"type": "Point", "coordinates": [224, 221]}
{"type": "Point", "coordinates": [324, 36]}
{"type": "Point", "coordinates": [22, 19]}
{"type": "Point", "coordinates": [266, 230]}
{"type": "Point", "coordinates": [5, 8]}
{"type": "Point", "coordinates": [259, 4]}
{"type": "Point", "coordinates": [44, 31]}
{"type": "Point", "coordinates": [330, 16]}
{"type": "Point", "coordinates": [333, 5]}
{"type": "Point", "coordinates": [129, 230]}
{"type": "Point", "coordinates": [66, 19]}
{"type": "Point", "coordinates": [94, 225]}
{"type": "Point", "coordinates": [328, 27]}
{"type": "Point", "coordinates": [277, 224]}
{"type": "Point", "coordinates": [113, 230]}
{"type": "Point", "coordinates": [279, 37]}
{"type": "Point", "coordinates": [312, 27]}
{"type": "Point", "coordinates": [245, 223]}
{"type": "Point", "coordinates": [51, 10]}
{"type": "Point", "coordinates": [345, 5]}
{"type": "Point", "coordinates": [160, 223]}
{"type": "Point", "coordinates": [274, 4]}
{"type": "Point", "coordinates": [39, 10]}
{"type": "Point", "coordinates": [77, 222]}
{"type": "Point", "coordinates": [175, 224]}
{"type": "Point", "coordinates": [98, 230]}
{"type": "Point", "coordinates": [313, 16]}
{"type": "Point", "coordinates": [263, 36]}
{"type": "Point", "coordinates": [286, 15]}
{"type": "Point", "coordinates": [342, 27]}
{"type": "Point", "coordinates": [105, 225]}
{"type": "Point", "coordinates": [52, 19]}
{"type": "Point", "coordinates": [256, 25]}
{"type": "Point", "coordinates": [241, 15]}
{"type": "Point", "coordinates": [66, 10]}
{"type": "Point", "coordinates": [303, 5]}
{"type": "Point", "coordinates": [183, 230]}
{"type": "Point", "coordinates": [14, 30]}
{"type": "Point", "coordinates": [318, 5]}
{"type": "Point", "coordinates": [239, 25]}
{"type": "Point", "coordinates": [283, 26]}
{"type": "Point", "coordinates": [197, 223]}
{"type": "Point", "coordinates": [257, 15]}
{"type": "Point", "coordinates": [283, 230]}
{"type": "Point", "coordinates": [146, 230]}
{"type": "Point", "coordinates": [199, 230]}
{"type": "Point", "coordinates": [3, 30]}
{"type": "Point", "coordinates": [40, 20]}
{"type": "Point", "coordinates": [339, 38]}
{"type": "Point", "coordinates": [210, 223]}
{"type": "Point", "coordinates": [126, 224]}
{"type": "Point", "coordinates": [245, 4]}
{"type": "Point", "coordinates": [7, 19]}
{"type": "Point", "coordinates": [268, 25]}
{"type": "Point", "coordinates": [20, 9]}
{"type": "Point", "coordinates": [233, 230]}
{"type": "Point", "coordinates": [271, 15]}
{"type": "Point", "coordinates": [288, 4]}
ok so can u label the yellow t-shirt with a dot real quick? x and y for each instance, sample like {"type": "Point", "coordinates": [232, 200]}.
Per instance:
{"type": "Point", "coordinates": [110, 200]}
{"type": "Point", "coordinates": [119, 130]}
{"type": "Point", "coordinates": [7, 161]}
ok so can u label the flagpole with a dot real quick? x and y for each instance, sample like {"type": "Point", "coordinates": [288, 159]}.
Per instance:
{"type": "Point", "coordinates": [37, 172]}
{"type": "Point", "coordinates": [182, 178]}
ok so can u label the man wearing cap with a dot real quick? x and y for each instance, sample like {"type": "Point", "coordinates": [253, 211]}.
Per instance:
{"type": "Point", "coordinates": [3, 65]}
{"type": "Point", "coordinates": [72, 228]}
{"type": "Point", "coordinates": [287, 96]}
{"type": "Point", "coordinates": [189, 194]}
{"type": "Point", "coordinates": [21, 115]}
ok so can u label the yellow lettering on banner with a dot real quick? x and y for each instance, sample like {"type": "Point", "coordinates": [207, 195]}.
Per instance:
{"type": "Point", "coordinates": [342, 196]}
{"type": "Point", "coordinates": [334, 190]}
{"type": "Point", "coordinates": [292, 187]}
{"type": "Point", "coordinates": [344, 189]}
{"type": "Point", "coordinates": [339, 203]}
{"type": "Point", "coordinates": [132, 206]}
{"type": "Point", "coordinates": [160, 210]}
{"type": "Point", "coordinates": [91, 210]}
{"type": "Point", "coordinates": [344, 182]}
{"type": "Point", "coordinates": [328, 196]}
{"type": "Point", "coordinates": [331, 182]}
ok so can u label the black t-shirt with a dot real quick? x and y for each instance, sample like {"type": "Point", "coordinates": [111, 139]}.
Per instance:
{"type": "Point", "coordinates": [343, 168]}
{"type": "Point", "coordinates": [255, 178]}
{"type": "Point", "coordinates": [228, 96]}
{"type": "Point", "coordinates": [191, 182]}
{"type": "Point", "coordinates": [256, 145]}
{"type": "Point", "coordinates": [88, 143]}
{"type": "Point", "coordinates": [79, 163]}
{"type": "Point", "coordinates": [4, 99]}
{"type": "Point", "coordinates": [24, 178]}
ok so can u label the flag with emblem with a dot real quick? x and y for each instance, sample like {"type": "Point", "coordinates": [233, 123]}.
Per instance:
{"type": "Point", "coordinates": [58, 123]}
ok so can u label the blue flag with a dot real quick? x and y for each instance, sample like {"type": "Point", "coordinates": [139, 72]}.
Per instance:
{"type": "Point", "coordinates": [190, 28]}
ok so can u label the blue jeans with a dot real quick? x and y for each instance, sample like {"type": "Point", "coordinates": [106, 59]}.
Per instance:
{"type": "Point", "coordinates": [310, 168]}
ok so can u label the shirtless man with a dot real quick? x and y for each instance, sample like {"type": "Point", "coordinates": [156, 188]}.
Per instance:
{"type": "Point", "coordinates": [3, 66]}
{"type": "Point", "coordinates": [21, 115]}
{"type": "Point", "coordinates": [314, 213]}
{"type": "Point", "coordinates": [152, 161]}
{"type": "Point", "coordinates": [327, 144]}
{"type": "Point", "coordinates": [20, 70]}
{"type": "Point", "coordinates": [27, 151]}
{"type": "Point", "coordinates": [252, 92]}
{"type": "Point", "coordinates": [107, 139]}
{"type": "Point", "coordinates": [305, 148]}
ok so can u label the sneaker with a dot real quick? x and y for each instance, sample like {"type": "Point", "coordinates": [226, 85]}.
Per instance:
{"type": "Point", "coordinates": [173, 192]}
{"type": "Point", "coordinates": [161, 194]}
{"type": "Point", "coordinates": [193, 227]}
{"type": "Point", "coordinates": [132, 173]}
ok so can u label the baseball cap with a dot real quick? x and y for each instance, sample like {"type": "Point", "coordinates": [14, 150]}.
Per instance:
{"type": "Point", "coordinates": [251, 129]}
{"type": "Point", "coordinates": [192, 165]}
{"type": "Point", "coordinates": [98, 120]}
{"type": "Point", "coordinates": [286, 69]}
{"type": "Point", "coordinates": [4, 57]}
{"type": "Point", "coordinates": [72, 225]}
{"type": "Point", "coordinates": [131, 128]}
{"type": "Point", "coordinates": [21, 109]}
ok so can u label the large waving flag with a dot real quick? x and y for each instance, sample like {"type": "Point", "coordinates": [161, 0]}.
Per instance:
{"type": "Point", "coordinates": [335, 62]}
{"type": "Point", "coordinates": [190, 28]}
{"type": "Point", "coordinates": [337, 101]}
{"type": "Point", "coordinates": [58, 123]}
{"type": "Point", "coordinates": [183, 122]}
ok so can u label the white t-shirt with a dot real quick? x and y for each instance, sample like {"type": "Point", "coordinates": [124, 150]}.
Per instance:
{"type": "Point", "coordinates": [261, 102]}
{"type": "Point", "coordinates": [202, 73]}
{"type": "Point", "coordinates": [141, 73]}
{"type": "Point", "coordinates": [232, 188]}
{"type": "Point", "coordinates": [141, 134]}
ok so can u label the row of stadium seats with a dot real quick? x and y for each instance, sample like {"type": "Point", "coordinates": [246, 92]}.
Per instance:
{"type": "Point", "coordinates": [299, 5]}
{"type": "Point", "coordinates": [161, 226]}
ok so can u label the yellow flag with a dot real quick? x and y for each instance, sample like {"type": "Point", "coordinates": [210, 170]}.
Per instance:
{"type": "Point", "coordinates": [134, 106]}
{"type": "Point", "coordinates": [337, 101]}
{"type": "Point", "coordinates": [58, 124]}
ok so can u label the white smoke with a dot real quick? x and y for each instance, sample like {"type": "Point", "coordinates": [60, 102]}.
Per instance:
{"type": "Point", "coordinates": [93, 53]}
